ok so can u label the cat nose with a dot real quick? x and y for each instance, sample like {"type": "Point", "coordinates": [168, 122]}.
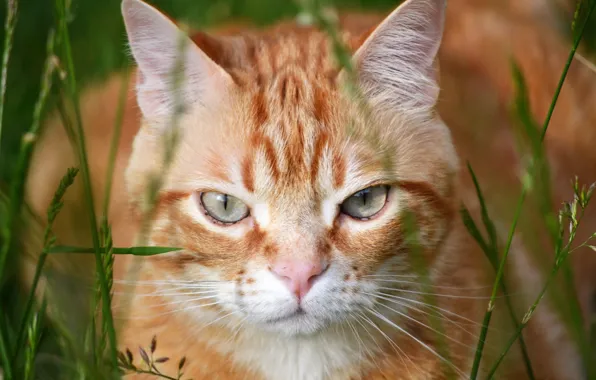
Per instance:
{"type": "Point", "coordinates": [299, 275]}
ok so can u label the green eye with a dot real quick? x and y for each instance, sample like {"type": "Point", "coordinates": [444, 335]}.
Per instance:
{"type": "Point", "coordinates": [366, 203]}
{"type": "Point", "coordinates": [224, 208]}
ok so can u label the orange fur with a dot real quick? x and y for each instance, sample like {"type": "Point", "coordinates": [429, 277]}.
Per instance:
{"type": "Point", "coordinates": [282, 133]}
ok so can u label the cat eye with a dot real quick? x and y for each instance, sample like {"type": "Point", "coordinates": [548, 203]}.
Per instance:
{"type": "Point", "coordinates": [224, 208]}
{"type": "Point", "coordinates": [366, 203]}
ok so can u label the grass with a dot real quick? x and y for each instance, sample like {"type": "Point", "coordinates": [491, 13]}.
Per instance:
{"type": "Point", "coordinates": [22, 337]}
{"type": "Point", "coordinates": [62, 11]}
{"type": "Point", "coordinates": [522, 108]}
{"type": "Point", "coordinates": [9, 27]}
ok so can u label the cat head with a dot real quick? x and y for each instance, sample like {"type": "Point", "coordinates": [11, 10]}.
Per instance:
{"type": "Point", "coordinates": [288, 193]}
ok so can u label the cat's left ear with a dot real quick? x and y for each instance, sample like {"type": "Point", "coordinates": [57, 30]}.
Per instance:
{"type": "Point", "coordinates": [396, 63]}
{"type": "Point", "coordinates": [160, 49]}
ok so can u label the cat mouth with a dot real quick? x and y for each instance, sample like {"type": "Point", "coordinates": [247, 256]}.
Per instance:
{"type": "Point", "coordinates": [298, 313]}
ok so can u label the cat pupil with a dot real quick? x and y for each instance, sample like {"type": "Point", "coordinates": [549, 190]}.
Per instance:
{"type": "Point", "coordinates": [364, 195]}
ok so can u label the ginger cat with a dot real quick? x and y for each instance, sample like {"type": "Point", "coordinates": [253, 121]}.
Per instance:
{"type": "Point", "coordinates": [291, 219]}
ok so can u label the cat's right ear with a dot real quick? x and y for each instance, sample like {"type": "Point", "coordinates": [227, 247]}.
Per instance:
{"type": "Point", "coordinates": [159, 48]}
{"type": "Point", "coordinates": [396, 62]}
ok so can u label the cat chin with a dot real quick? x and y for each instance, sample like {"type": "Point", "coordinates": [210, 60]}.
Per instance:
{"type": "Point", "coordinates": [298, 324]}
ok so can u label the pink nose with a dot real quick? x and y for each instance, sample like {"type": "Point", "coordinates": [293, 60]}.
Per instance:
{"type": "Point", "coordinates": [299, 276]}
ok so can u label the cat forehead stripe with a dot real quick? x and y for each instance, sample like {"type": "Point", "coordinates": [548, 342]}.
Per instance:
{"type": "Point", "coordinates": [284, 163]}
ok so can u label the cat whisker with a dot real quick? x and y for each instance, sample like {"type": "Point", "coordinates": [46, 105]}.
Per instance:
{"type": "Point", "coordinates": [161, 289]}
{"type": "Point", "coordinates": [151, 316]}
{"type": "Point", "coordinates": [217, 320]}
{"type": "Point", "coordinates": [461, 325]}
{"type": "Point", "coordinates": [426, 346]}
{"type": "Point", "coordinates": [396, 348]}
{"type": "Point", "coordinates": [181, 301]}
{"type": "Point", "coordinates": [361, 346]}
{"type": "Point", "coordinates": [170, 291]}
{"type": "Point", "coordinates": [195, 331]}
{"type": "Point", "coordinates": [164, 282]}
{"type": "Point", "coordinates": [475, 323]}
{"type": "Point", "coordinates": [391, 275]}
{"type": "Point", "coordinates": [236, 329]}
{"type": "Point", "coordinates": [360, 316]}
{"type": "Point", "coordinates": [456, 296]}
{"type": "Point", "coordinates": [149, 307]}
{"type": "Point", "coordinates": [435, 286]}
{"type": "Point", "coordinates": [158, 294]}
{"type": "Point", "coordinates": [424, 324]}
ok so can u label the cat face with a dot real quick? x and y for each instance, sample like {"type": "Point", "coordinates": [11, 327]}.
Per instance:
{"type": "Point", "coordinates": [289, 196]}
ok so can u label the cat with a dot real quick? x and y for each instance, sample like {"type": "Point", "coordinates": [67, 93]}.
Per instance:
{"type": "Point", "coordinates": [289, 196]}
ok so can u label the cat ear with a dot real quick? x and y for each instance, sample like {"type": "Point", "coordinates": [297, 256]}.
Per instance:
{"type": "Point", "coordinates": [396, 63]}
{"type": "Point", "coordinates": [159, 47]}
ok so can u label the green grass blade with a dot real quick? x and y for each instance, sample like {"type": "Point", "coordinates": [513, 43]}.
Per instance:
{"type": "Point", "coordinates": [48, 241]}
{"type": "Point", "coordinates": [523, 112]}
{"type": "Point", "coordinates": [108, 255]}
{"type": "Point", "coordinates": [488, 223]}
{"type": "Point", "coordinates": [33, 338]}
{"type": "Point", "coordinates": [115, 143]}
{"type": "Point", "coordinates": [491, 304]}
{"type": "Point", "coordinates": [578, 37]}
{"type": "Point", "coordinates": [12, 7]}
{"type": "Point", "coordinates": [135, 251]}
{"type": "Point", "coordinates": [62, 10]}
{"type": "Point", "coordinates": [4, 358]}
{"type": "Point", "coordinates": [538, 173]}
{"type": "Point", "coordinates": [561, 255]}
{"type": "Point", "coordinates": [491, 252]}
{"type": "Point", "coordinates": [17, 188]}
{"type": "Point", "coordinates": [523, 324]}
{"type": "Point", "coordinates": [475, 232]}
{"type": "Point", "coordinates": [108, 263]}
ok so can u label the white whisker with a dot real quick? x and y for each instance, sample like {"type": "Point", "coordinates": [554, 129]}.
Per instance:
{"type": "Point", "coordinates": [164, 282]}
{"type": "Point", "coordinates": [423, 324]}
{"type": "Point", "coordinates": [389, 322]}
{"type": "Point", "coordinates": [236, 329]}
{"type": "Point", "coordinates": [158, 294]}
{"type": "Point", "coordinates": [457, 296]}
{"type": "Point", "coordinates": [361, 345]}
{"type": "Point", "coordinates": [435, 286]}
{"type": "Point", "coordinates": [432, 306]}
{"type": "Point", "coordinates": [358, 316]}
{"type": "Point", "coordinates": [217, 320]}
{"type": "Point", "coordinates": [396, 348]}
{"type": "Point", "coordinates": [172, 311]}
{"type": "Point", "coordinates": [392, 275]}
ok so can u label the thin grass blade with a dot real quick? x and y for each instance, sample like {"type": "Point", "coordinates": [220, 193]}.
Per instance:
{"type": "Point", "coordinates": [136, 251]}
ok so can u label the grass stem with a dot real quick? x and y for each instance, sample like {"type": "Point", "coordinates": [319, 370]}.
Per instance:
{"type": "Point", "coordinates": [4, 358]}
{"type": "Point", "coordinates": [62, 10]}
{"type": "Point", "coordinates": [12, 7]}
{"type": "Point", "coordinates": [496, 286]}
{"type": "Point", "coordinates": [17, 188]}
{"type": "Point", "coordinates": [48, 241]}
{"type": "Point", "coordinates": [521, 200]}
{"type": "Point", "coordinates": [115, 143]}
